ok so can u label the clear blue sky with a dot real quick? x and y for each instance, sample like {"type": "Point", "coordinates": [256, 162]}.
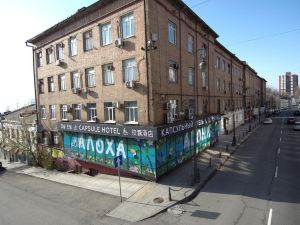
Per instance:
{"type": "Point", "coordinates": [234, 20]}
{"type": "Point", "coordinates": [237, 21]}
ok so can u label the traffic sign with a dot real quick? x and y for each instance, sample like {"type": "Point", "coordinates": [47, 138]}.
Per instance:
{"type": "Point", "coordinates": [118, 161]}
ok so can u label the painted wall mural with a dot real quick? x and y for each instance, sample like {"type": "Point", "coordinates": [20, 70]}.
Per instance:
{"type": "Point", "coordinates": [144, 157]}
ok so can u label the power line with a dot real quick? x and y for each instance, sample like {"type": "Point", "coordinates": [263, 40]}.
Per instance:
{"type": "Point", "coordinates": [200, 3]}
{"type": "Point", "coordinates": [265, 36]}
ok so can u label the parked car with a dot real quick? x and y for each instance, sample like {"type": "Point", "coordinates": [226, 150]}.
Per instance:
{"type": "Point", "coordinates": [268, 121]}
{"type": "Point", "coordinates": [291, 120]}
{"type": "Point", "coordinates": [297, 113]}
{"type": "Point", "coordinates": [297, 125]}
{"type": "Point", "coordinates": [276, 113]}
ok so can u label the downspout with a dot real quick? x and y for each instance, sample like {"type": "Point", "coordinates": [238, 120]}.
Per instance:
{"type": "Point", "coordinates": [196, 73]}
{"type": "Point", "coordinates": [150, 122]}
{"type": "Point", "coordinates": [180, 60]}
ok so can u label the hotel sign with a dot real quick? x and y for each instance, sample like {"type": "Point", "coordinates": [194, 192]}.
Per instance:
{"type": "Point", "coordinates": [138, 132]}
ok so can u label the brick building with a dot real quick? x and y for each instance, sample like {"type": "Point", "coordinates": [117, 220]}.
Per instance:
{"type": "Point", "coordinates": [145, 79]}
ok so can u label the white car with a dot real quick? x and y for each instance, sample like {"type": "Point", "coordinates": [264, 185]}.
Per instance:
{"type": "Point", "coordinates": [297, 125]}
{"type": "Point", "coordinates": [268, 121]}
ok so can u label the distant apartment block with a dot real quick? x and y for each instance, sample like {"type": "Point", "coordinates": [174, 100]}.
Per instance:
{"type": "Point", "coordinates": [288, 84]}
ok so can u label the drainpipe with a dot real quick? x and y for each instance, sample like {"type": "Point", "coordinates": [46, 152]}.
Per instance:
{"type": "Point", "coordinates": [35, 90]}
{"type": "Point", "coordinates": [147, 66]}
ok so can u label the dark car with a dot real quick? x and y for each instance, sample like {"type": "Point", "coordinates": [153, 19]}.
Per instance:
{"type": "Point", "coordinates": [276, 113]}
{"type": "Point", "coordinates": [291, 120]}
{"type": "Point", "coordinates": [297, 113]}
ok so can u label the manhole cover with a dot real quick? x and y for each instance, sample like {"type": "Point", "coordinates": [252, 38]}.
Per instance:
{"type": "Point", "coordinates": [176, 210]}
{"type": "Point", "coordinates": [158, 200]}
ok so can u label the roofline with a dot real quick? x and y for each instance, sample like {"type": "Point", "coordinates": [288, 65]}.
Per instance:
{"type": "Point", "coordinates": [17, 110]}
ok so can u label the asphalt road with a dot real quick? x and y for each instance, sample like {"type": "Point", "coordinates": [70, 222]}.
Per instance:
{"type": "Point", "coordinates": [260, 184]}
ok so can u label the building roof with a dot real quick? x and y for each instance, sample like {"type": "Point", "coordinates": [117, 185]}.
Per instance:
{"type": "Point", "coordinates": [86, 10]}
{"type": "Point", "coordinates": [29, 110]}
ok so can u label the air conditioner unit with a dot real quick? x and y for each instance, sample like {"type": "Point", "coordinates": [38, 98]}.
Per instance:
{"type": "Point", "coordinates": [174, 66]}
{"type": "Point", "coordinates": [130, 84]}
{"type": "Point", "coordinates": [119, 42]}
{"type": "Point", "coordinates": [110, 67]}
{"type": "Point", "coordinates": [58, 62]}
{"type": "Point", "coordinates": [116, 105]}
{"type": "Point", "coordinates": [85, 90]}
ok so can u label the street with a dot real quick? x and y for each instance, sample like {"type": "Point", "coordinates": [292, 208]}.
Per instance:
{"type": "Point", "coordinates": [259, 185]}
{"type": "Point", "coordinates": [259, 178]}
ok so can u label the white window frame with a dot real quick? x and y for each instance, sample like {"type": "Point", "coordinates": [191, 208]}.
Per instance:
{"type": "Point", "coordinates": [92, 112]}
{"type": "Point", "coordinates": [49, 52]}
{"type": "Point", "coordinates": [75, 76]}
{"type": "Point", "coordinates": [106, 34]}
{"type": "Point", "coordinates": [108, 75]}
{"type": "Point", "coordinates": [73, 46]}
{"type": "Point", "coordinates": [41, 86]}
{"type": "Point", "coordinates": [172, 73]}
{"type": "Point", "coordinates": [88, 40]}
{"type": "Point", "coordinates": [129, 70]}
{"type": "Point", "coordinates": [62, 82]}
{"type": "Point", "coordinates": [52, 112]}
{"type": "Point", "coordinates": [172, 32]}
{"type": "Point", "coordinates": [190, 43]}
{"type": "Point", "coordinates": [191, 75]}
{"type": "Point", "coordinates": [131, 113]}
{"type": "Point", "coordinates": [43, 112]}
{"type": "Point", "coordinates": [60, 51]}
{"type": "Point", "coordinates": [63, 112]}
{"type": "Point", "coordinates": [127, 25]}
{"type": "Point", "coordinates": [51, 87]}
{"type": "Point", "coordinates": [77, 112]}
{"type": "Point", "coordinates": [109, 113]}
{"type": "Point", "coordinates": [90, 77]}
{"type": "Point", "coordinates": [39, 56]}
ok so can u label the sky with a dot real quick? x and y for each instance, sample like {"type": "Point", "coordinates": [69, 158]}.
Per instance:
{"type": "Point", "coordinates": [265, 33]}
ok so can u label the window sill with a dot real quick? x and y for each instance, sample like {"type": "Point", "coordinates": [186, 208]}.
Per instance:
{"type": "Point", "coordinates": [110, 122]}
{"type": "Point", "coordinates": [77, 120]}
{"type": "Point", "coordinates": [53, 119]}
{"type": "Point", "coordinates": [108, 84]}
{"type": "Point", "coordinates": [91, 121]}
{"type": "Point", "coordinates": [125, 38]}
{"type": "Point", "coordinates": [106, 44]}
{"type": "Point", "coordinates": [131, 123]}
{"type": "Point", "coordinates": [44, 118]}
{"type": "Point", "coordinates": [64, 120]}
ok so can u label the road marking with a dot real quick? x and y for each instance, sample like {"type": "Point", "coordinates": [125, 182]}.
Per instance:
{"type": "Point", "coordinates": [270, 216]}
{"type": "Point", "coordinates": [276, 172]}
{"type": "Point", "coordinates": [280, 139]}
{"type": "Point", "coordinates": [281, 132]}
{"type": "Point", "coordinates": [278, 152]}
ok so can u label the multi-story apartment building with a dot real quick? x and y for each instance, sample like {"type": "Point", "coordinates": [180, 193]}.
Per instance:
{"type": "Point", "coordinates": [288, 84]}
{"type": "Point", "coordinates": [144, 79]}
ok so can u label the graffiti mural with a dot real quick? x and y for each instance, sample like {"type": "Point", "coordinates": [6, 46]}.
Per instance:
{"type": "Point", "coordinates": [148, 158]}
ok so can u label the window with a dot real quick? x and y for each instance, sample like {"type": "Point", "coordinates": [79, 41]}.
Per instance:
{"type": "Point", "coordinates": [190, 43]}
{"type": "Point", "coordinates": [43, 112]}
{"type": "Point", "coordinates": [62, 82]}
{"type": "Point", "coordinates": [218, 62]}
{"type": "Point", "coordinates": [173, 67]}
{"type": "Point", "coordinates": [218, 84]}
{"type": "Point", "coordinates": [49, 55]}
{"type": "Point", "coordinates": [92, 112]}
{"type": "Point", "coordinates": [223, 65]}
{"type": "Point", "coordinates": [73, 46]}
{"type": "Point", "coordinates": [39, 59]}
{"type": "Point", "coordinates": [63, 112]}
{"type": "Point", "coordinates": [109, 112]}
{"type": "Point", "coordinates": [60, 51]}
{"type": "Point", "coordinates": [172, 113]}
{"type": "Point", "coordinates": [131, 112]}
{"type": "Point", "coordinates": [204, 80]}
{"type": "Point", "coordinates": [127, 26]}
{"type": "Point", "coordinates": [106, 36]}
{"type": "Point", "coordinates": [90, 77]}
{"type": "Point", "coordinates": [108, 74]}
{"type": "Point", "coordinates": [129, 70]}
{"type": "Point", "coordinates": [50, 84]}
{"type": "Point", "coordinates": [77, 112]}
{"type": "Point", "coordinates": [75, 79]}
{"type": "Point", "coordinates": [52, 112]}
{"type": "Point", "coordinates": [172, 32]}
{"type": "Point", "coordinates": [228, 68]}
{"type": "Point", "coordinates": [191, 75]}
{"type": "Point", "coordinates": [88, 40]}
{"type": "Point", "coordinates": [41, 86]}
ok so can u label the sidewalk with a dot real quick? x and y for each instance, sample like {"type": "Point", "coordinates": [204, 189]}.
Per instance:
{"type": "Point", "coordinates": [145, 199]}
